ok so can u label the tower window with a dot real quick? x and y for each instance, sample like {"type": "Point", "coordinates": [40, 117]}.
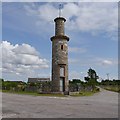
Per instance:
{"type": "Point", "coordinates": [61, 47]}
{"type": "Point", "coordinates": [62, 71]}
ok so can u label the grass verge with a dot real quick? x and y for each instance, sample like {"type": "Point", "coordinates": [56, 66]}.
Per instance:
{"type": "Point", "coordinates": [82, 93]}
{"type": "Point", "coordinates": [112, 88]}
{"type": "Point", "coordinates": [32, 93]}
{"type": "Point", "coordinates": [85, 93]}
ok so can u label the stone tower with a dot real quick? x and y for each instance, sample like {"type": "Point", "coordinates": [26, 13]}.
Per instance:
{"type": "Point", "coordinates": [60, 58]}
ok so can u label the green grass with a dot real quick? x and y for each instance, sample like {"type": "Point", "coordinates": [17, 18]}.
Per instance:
{"type": "Point", "coordinates": [32, 93]}
{"type": "Point", "coordinates": [112, 88]}
{"type": "Point", "coordinates": [85, 93]}
{"type": "Point", "coordinates": [82, 93]}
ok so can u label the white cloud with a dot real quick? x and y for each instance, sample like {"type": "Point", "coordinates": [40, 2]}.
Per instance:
{"type": "Point", "coordinates": [70, 10]}
{"type": "Point", "coordinates": [77, 75]}
{"type": "Point", "coordinates": [74, 75]}
{"type": "Point", "coordinates": [92, 61]}
{"type": "Point", "coordinates": [25, 49]}
{"type": "Point", "coordinates": [86, 17]}
{"type": "Point", "coordinates": [107, 62]}
{"type": "Point", "coordinates": [93, 17]}
{"type": "Point", "coordinates": [21, 59]}
{"type": "Point", "coordinates": [45, 13]}
{"type": "Point", "coordinates": [76, 50]}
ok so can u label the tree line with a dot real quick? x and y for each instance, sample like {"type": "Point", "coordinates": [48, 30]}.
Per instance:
{"type": "Point", "coordinates": [90, 82]}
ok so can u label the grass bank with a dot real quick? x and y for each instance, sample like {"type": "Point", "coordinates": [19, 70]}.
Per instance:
{"type": "Point", "coordinates": [32, 93]}
{"type": "Point", "coordinates": [115, 88]}
{"type": "Point", "coordinates": [75, 94]}
{"type": "Point", "coordinates": [85, 93]}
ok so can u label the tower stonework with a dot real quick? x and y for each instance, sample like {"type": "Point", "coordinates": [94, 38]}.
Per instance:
{"type": "Point", "coordinates": [60, 58]}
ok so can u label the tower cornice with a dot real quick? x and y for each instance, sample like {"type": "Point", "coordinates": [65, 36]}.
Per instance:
{"type": "Point", "coordinates": [60, 37]}
{"type": "Point", "coordinates": [59, 18]}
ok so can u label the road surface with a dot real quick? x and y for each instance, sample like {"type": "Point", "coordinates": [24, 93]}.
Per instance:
{"type": "Point", "coordinates": [101, 105]}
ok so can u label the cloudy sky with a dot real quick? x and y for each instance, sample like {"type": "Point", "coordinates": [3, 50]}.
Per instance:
{"type": "Point", "coordinates": [28, 26]}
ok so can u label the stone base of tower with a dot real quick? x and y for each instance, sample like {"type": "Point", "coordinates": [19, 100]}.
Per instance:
{"type": "Point", "coordinates": [63, 93]}
{"type": "Point", "coordinates": [56, 89]}
{"type": "Point", "coordinates": [66, 92]}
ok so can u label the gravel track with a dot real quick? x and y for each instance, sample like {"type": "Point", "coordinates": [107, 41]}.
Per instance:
{"type": "Point", "coordinates": [101, 105]}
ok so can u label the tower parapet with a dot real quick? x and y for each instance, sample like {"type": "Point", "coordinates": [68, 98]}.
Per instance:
{"type": "Point", "coordinates": [59, 26]}
{"type": "Point", "coordinates": [59, 29]}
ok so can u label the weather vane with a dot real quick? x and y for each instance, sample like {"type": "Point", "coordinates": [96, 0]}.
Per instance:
{"type": "Point", "coordinates": [60, 7]}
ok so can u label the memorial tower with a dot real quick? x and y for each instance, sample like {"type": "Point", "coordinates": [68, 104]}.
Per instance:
{"type": "Point", "coordinates": [60, 80]}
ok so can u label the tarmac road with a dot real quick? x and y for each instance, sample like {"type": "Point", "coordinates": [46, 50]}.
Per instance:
{"type": "Point", "coordinates": [101, 105]}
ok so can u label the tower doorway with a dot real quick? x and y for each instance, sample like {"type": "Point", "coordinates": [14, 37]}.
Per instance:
{"type": "Point", "coordinates": [62, 84]}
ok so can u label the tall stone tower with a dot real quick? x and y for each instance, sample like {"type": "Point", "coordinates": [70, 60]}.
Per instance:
{"type": "Point", "coordinates": [60, 58]}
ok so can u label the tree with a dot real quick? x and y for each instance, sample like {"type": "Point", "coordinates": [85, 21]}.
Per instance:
{"type": "Point", "coordinates": [91, 79]}
{"type": "Point", "coordinates": [76, 85]}
{"type": "Point", "coordinates": [1, 83]}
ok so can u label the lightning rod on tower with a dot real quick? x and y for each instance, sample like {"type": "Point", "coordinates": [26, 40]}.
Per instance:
{"type": "Point", "coordinates": [60, 8]}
